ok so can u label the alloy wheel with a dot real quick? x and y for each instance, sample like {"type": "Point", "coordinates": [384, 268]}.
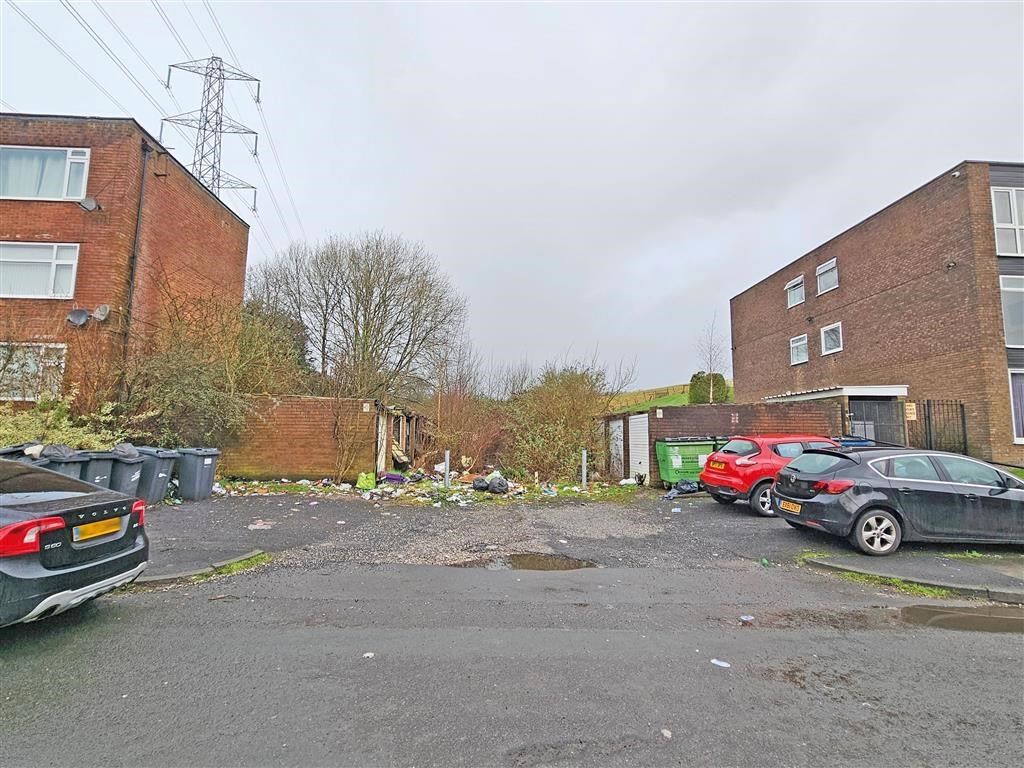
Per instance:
{"type": "Point", "coordinates": [878, 533]}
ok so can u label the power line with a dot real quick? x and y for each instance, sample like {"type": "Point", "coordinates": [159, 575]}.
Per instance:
{"type": "Point", "coordinates": [170, 26]}
{"type": "Point", "coordinates": [8, 105]}
{"type": "Point", "coordinates": [199, 28]}
{"type": "Point", "coordinates": [110, 54]}
{"type": "Point", "coordinates": [266, 126]}
{"type": "Point", "coordinates": [137, 52]}
{"type": "Point", "coordinates": [69, 57]}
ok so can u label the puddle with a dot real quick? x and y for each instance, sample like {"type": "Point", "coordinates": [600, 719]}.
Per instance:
{"type": "Point", "coordinates": [981, 619]}
{"type": "Point", "coordinates": [531, 561]}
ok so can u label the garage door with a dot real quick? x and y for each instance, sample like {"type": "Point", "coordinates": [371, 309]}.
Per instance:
{"type": "Point", "coordinates": [639, 448]}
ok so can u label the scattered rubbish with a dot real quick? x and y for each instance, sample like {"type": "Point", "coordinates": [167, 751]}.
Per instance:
{"type": "Point", "coordinates": [366, 481]}
{"type": "Point", "coordinates": [548, 489]}
{"type": "Point", "coordinates": [436, 504]}
{"type": "Point", "coordinates": [627, 481]}
{"type": "Point", "coordinates": [562, 541]}
{"type": "Point", "coordinates": [480, 484]}
{"type": "Point", "coordinates": [369, 655]}
{"type": "Point", "coordinates": [491, 547]}
{"type": "Point", "coordinates": [677, 510]}
{"type": "Point", "coordinates": [305, 482]}
{"type": "Point", "coordinates": [439, 467]}
{"type": "Point", "coordinates": [666, 733]}
{"type": "Point", "coordinates": [313, 503]}
{"type": "Point", "coordinates": [746, 621]}
{"type": "Point", "coordinates": [681, 488]}
{"type": "Point", "coordinates": [395, 478]}
{"type": "Point", "coordinates": [219, 490]}
{"type": "Point", "coordinates": [720, 663]}
{"type": "Point", "coordinates": [261, 525]}
{"type": "Point", "coordinates": [764, 562]}
{"type": "Point", "coordinates": [498, 485]}
{"type": "Point", "coordinates": [223, 597]}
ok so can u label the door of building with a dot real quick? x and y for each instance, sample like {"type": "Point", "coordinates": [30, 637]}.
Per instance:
{"type": "Point", "coordinates": [878, 419]}
{"type": "Point", "coordinates": [639, 447]}
{"type": "Point", "coordinates": [615, 452]}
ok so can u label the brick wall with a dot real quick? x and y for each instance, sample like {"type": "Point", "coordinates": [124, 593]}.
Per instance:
{"type": "Point", "coordinates": [919, 301]}
{"type": "Point", "coordinates": [304, 437]}
{"type": "Point", "coordinates": [722, 420]}
{"type": "Point", "coordinates": [191, 245]}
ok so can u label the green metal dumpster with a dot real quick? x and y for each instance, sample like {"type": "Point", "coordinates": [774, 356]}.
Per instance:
{"type": "Point", "coordinates": [682, 458]}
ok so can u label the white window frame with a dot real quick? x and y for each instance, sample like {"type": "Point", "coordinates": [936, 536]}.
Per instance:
{"type": "Point", "coordinates": [823, 268]}
{"type": "Point", "coordinates": [829, 328]}
{"type": "Point", "coordinates": [1002, 287]}
{"type": "Point", "coordinates": [68, 161]}
{"type": "Point", "coordinates": [1017, 439]}
{"type": "Point", "coordinates": [796, 341]}
{"type": "Point", "coordinates": [803, 290]}
{"type": "Point", "coordinates": [1016, 215]}
{"type": "Point", "coordinates": [53, 269]}
{"type": "Point", "coordinates": [39, 345]}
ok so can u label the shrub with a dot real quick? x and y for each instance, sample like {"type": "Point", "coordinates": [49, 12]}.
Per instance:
{"type": "Point", "coordinates": [51, 421]}
{"type": "Point", "coordinates": [700, 386]}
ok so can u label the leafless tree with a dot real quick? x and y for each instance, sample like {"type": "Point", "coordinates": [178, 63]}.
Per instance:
{"type": "Point", "coordinates": [377, 309]}
{"type": "Point", "coordinates": [711, 351]}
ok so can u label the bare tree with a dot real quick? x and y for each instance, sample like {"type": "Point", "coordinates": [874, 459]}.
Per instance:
{"type": "Point", "coordinates": [377, 309]}
{"type": "Point", "coordinates": [711, 351]}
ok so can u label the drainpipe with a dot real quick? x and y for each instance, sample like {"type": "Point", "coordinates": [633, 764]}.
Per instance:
{"type": "Point", "coordinates": [133, 262]}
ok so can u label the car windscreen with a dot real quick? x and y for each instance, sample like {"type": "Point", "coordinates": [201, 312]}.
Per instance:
{"type": "Point", "coordinates": [814, 463]}
{"type": "Point", "coordinates": [19, 478]}
{"type": "Point", "coordinates": [741, 447]}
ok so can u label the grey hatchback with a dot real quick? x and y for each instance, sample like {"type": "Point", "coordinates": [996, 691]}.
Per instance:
{"type": "Point", "coordinates": [880, 497]}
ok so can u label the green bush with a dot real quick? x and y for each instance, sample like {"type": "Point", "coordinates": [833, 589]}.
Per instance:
{"type": "Point", "coordinates": [700, 388]}
{"type": "Point", "coordinates": [51, 421]}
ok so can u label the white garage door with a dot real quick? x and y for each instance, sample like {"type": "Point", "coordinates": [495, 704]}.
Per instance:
{"type": "Point", "coordinates": [638, 446]}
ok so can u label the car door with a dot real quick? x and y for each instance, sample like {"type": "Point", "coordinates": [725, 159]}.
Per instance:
{"type": "Point", "coordinates": [927, 501]}
{"type": "Point", "coordinates": [989, 508]}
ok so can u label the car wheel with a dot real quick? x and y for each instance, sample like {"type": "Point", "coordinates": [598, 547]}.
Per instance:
{"type": "Point", "coordinates": [877, 532]}
{"type": "Point", "coordinates": [722, 499]}
{"type": "Point", "coordinates": [761, 499]}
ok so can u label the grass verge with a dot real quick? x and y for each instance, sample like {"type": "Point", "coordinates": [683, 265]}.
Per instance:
{"type": "Point", "coordinates": [236, 567]}
{"type": "Point", "coordinates": [899, 585]}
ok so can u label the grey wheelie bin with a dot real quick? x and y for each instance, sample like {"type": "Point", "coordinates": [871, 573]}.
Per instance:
{"type": "Point", "coordinates": [64, 460]}
{"type": "Point", "coordinates": [196, 470]}
{"type": "Point", "coordinates": [98, 467]}
{"type": "Point", "coordinates": [157, 466]}
{"type": "Point", "coordinates": [127, 469]}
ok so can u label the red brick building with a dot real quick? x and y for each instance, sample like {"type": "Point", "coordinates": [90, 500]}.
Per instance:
{"type": "Point", "coordinates": [96, 215]}
{"type": "Point", "coordinates": [921, 302]}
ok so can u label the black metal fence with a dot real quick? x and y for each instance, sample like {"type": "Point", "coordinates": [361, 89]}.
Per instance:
{"type": "Point", "coordinates": [939, 425]}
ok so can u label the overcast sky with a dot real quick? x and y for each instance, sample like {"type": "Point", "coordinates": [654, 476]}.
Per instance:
{"type": "Point", "coordinates": [592, 176]}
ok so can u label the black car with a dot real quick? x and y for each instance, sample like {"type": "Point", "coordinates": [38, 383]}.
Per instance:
{"type": "Point", "coordinates": [63, 542]}
{"type": "Point", "coordinates": [880, 497]}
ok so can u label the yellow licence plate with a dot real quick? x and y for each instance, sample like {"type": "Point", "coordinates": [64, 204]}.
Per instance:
{"type": "Point", "coordinates": [790, 506]}
{"type": "Point", "coordinates": [716, 464]}
{"type": "Point", "coordinates": [93, 530]}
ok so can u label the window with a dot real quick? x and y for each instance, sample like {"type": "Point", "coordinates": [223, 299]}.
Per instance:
{"type": "Point", "coordinates": [970, 472]}
{"type": "Point", "coordinates": [832, 339]}
{"type": "Point", "coordinates": [789, 450]}
{"type": "Point", "coordinates": [1012, 290]}
{"type": "Point", "coordinates": [795, 292]}
{"type": "Point", "coordinates": [1017, 404]}
{"type": "Point", "coordinates": [821, 444]}
{"type": "Point", "coordinates": [28, 371]}
{"type": "Point", "coordinates": [798, 350]}
{"type": "Point", "coordinates": [1008, 213]}
{"type": "Point", "coordinates": [38, 270]}
{"type": "Point", "coordinates": [912, 468]}
{"type": "Point", "coordinates": [43, 173]}
{"type": "Point", "coordinates": [740, 447]}
{"type": "Point", "coordinates": [819, 463]}
{"type": "Point", "coordinates": [828, 276]}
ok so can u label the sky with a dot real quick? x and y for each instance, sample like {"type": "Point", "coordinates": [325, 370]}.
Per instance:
{"type": "Point", "coordinates": [597, 179]}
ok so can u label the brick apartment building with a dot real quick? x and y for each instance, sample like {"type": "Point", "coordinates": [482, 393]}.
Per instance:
{"type": "Point", "coordinates": [96, 215]}
{"type": "Point", "coordinates": [921, 302]}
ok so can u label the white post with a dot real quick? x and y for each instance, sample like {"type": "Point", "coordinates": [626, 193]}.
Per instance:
{"type": "Point", "coordinates": [447, 469]}
{"type": "Point", "coordinates": [584, 473]}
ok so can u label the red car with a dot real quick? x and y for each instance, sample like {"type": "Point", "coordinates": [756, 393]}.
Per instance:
{"type": "Point", "coordinates": [745, 467]}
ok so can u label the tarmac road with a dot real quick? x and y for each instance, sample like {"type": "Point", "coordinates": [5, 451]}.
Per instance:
{"type": "Point", "coordinates": [594, 667]}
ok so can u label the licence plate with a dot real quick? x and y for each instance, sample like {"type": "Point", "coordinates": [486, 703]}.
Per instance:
{"type": "Point", "coordinates": [716, 464]}
{"type": "Point", "coordinates": [93, 530]}
{"type": "Point", "coordinates": [790, 506]}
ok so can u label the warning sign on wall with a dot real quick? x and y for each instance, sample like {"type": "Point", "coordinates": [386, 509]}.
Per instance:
{"type": "Point", "coordinates": [911, 411]}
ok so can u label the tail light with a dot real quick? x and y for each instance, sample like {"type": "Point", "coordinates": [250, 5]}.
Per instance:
{"type": "Point", "coordinates": [832, 487]}
{"type": "Point", "coordinates": [23, 538]}
{"type": "Point", "coordinates": [139, 509]}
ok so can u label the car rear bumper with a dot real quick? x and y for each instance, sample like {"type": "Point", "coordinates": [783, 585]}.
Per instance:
{"type": "Point", "coordinates": [825, 513]}
{"type": "Point", "coordinates": [725, 492]}
{"type": "Point", "coordinates": [29, 592]}
{"type": "Point", "coordinates": [723, 485]}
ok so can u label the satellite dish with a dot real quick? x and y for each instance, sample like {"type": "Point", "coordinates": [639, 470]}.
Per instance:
{"type": "Point", "coordinates": [101, 313]}
{"type": "Point", "coordinates": [78, 317]}
{"type": "Point", "coordinates": [89, 204]}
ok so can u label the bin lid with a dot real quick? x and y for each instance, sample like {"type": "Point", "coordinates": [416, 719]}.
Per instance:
{"type": "Point", "coordinates": [97, 454]}
{"type": "Point", "coordinates": [128, 459]}
{"type": "Point", "coordinates": [160, 453]}
{"type": "Point", "coordinates": [200, 451]}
